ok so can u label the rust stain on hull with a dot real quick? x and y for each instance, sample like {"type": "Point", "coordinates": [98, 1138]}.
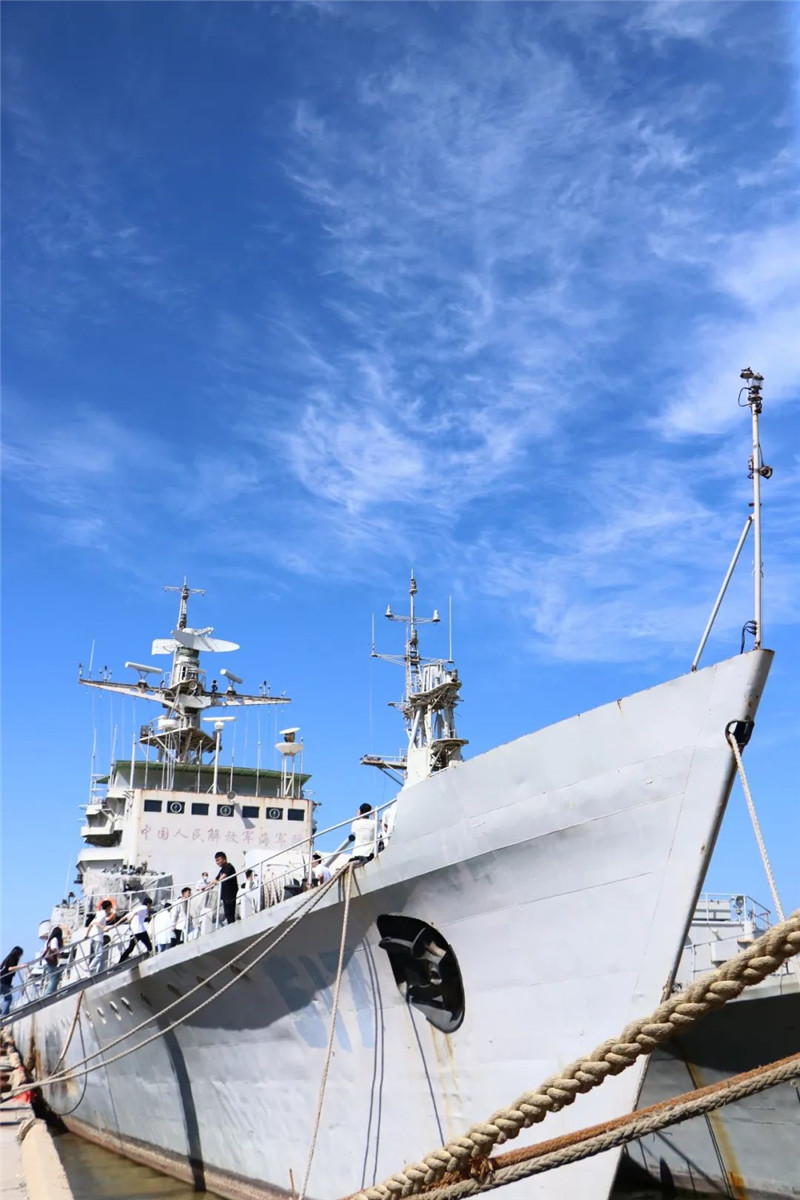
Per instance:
{"type": "Point", "coordinates": [727, 1156]}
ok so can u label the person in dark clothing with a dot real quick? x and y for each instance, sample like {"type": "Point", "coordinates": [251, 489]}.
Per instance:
{"type": "Point", "coordinates": [8, 966]}
{"type": "Point", "coordinates": [228, 886]}
{"type": "Point", "coordinates": [51, 957]}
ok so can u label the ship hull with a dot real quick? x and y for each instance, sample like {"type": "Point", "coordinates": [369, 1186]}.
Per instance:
{"type": "Point", "coordinates": [748, 1149]}
{"type": "Point", "coordinates": [562, 868]}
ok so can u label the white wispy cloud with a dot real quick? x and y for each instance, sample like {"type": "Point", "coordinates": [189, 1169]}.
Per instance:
{"type": "Point", "coordinates": [539, 261]}
{"type": "Point", "coordinates": [758, 274]}
{"type": "Point", "coordinates": [75, 243]}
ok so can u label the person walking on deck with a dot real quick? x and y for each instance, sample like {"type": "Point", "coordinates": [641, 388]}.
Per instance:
{"type": "Point", "coordinates": [96, 932]}
{"type": "Point", "coordinates": [228, 886]}
{"type": "Point", "coordinates": [162, 928]}
{"type": "Point", "coordinates": [182, 917]}
{"type": "Point", "coordinates": [251, 894]}
{"type": "Point", "coordinates": [137, 919]}
{"type": "Point", "coordinates": [8, 966]}
{"type": "Point", "coordinates": [319, 872]}
{"type": "Point", "coordinates": [51, 957]}
{"type": "Point", "coordinates": [363, 834]}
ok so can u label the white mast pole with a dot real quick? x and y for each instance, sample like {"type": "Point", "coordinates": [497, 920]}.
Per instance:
{"type": "Point", "coordinates": [755, 408]}
{"type": "Point", "coordinates": [412, 637]}
{"type": "Point", "coordinates": [753, 384]}
{"type": "Point", "coordinates": [218, 726]}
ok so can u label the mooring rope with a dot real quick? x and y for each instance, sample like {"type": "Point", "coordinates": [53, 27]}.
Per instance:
{"type": "Point", "coordinates": [751, 808]}
{"type": "Point", "coordinates": [70, 1035]}
{"type": "Point", "coordinates": [640, 1037]}
{"type": "Point", "coordinates": [585, 1143]}
{"type": "Point", "coordinates": [331, 1030]}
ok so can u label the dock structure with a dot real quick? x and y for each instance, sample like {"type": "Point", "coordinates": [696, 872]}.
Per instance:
{"type": "Point", "coordinates": [30, 1167]}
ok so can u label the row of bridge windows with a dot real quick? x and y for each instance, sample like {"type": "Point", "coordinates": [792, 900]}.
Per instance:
{"type": "Point", "coordinates": [202, 809]}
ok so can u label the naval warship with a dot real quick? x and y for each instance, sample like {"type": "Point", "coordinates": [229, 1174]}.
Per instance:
{"type": "Point", "coordinates": [515, 909]}
{"type": "Point", "coordinates": [751, 1148]}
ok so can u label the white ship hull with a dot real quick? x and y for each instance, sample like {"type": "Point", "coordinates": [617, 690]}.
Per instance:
{"type": "Point", "coordinates": [563, 869]}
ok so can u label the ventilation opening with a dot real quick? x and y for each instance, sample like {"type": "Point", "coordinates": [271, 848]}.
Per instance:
{"type": "Point", "coordinates": [425, 969]}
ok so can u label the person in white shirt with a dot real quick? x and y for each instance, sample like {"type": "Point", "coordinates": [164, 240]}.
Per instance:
{"type": "Point", "coordinates": [162, 928]}
{"type": "Point", "coordinates": [182, 924]}
{"type": "Point", "coordinates": [201, 905]}
{"type": "Point", "coordinates": [251, 894]}
{"type": "Point", "coordinates": [137, 918]}
{"type": "Point", "coordinates": [363, 834]}
{"type": "Point", "coordinates": [319, 872]}
{"type": "Point", "coordinates": [387, 822]}
{"type": "Point", "coordinates": [96, 933]}
{"type": "Point", "coordinates": [81, 952]}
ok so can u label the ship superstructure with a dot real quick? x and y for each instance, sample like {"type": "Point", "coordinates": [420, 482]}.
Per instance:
{"type": "Point", "coordinates": [159, 818]}
{"type": "Point", "coordinates": [745, 1149]}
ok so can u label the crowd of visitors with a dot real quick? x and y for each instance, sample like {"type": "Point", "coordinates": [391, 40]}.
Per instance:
{"type": "Point", "coordinates": [152, 929]}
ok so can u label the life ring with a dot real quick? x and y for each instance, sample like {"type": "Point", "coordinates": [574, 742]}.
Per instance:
{"type": "Point", "coordinates": [111, 901]}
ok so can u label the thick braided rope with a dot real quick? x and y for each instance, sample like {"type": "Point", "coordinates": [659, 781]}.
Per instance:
{"type": "Point", "coordinates": [610, 1058]}
{"type": "Point", "coordinates": [589, 1142]}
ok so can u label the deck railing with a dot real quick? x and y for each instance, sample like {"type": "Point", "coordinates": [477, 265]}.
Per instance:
{"type": "Point", "coordinates": [198, 914]}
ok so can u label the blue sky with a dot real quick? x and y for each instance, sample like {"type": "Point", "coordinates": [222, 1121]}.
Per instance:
{"type": "Point", "coordinates": [298, 296]}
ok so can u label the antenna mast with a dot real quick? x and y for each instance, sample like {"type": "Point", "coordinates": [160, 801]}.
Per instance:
{"type": "Point", "coordinates": [428, 706]}
{"type": "Point", "coordinates": [757, 470]}
{"type": "Point", "coordinates": [185, 592]}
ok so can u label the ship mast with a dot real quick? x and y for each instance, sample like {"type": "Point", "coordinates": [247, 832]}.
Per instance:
{"type": "Point", "coordinates": [178, 735]}
{"type": "Point", "coordinates": [432, 688]}
{"type": "Point", "coordinates": [757, 471]}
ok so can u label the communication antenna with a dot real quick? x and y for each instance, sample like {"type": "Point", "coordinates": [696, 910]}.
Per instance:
{"type": "Point", "coordinates": [219, 725]}
{"type": "Point", "coordinates": [185, 592]}
{"type": "Point", "coordinates": [450, 629]}
{"type": "Point", "coordinates": [757, 471]}
{"type": "Point", "coordinates": [93, 758]}
{"type": "Point", "coordinates": [753, 383]}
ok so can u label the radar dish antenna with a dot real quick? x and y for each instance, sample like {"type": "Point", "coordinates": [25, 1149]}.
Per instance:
{"type": "Point", "coordinates": [200, 640]}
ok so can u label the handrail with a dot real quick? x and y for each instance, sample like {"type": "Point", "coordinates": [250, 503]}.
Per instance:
{"type": "Point", "coordinates": [65, 980]}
